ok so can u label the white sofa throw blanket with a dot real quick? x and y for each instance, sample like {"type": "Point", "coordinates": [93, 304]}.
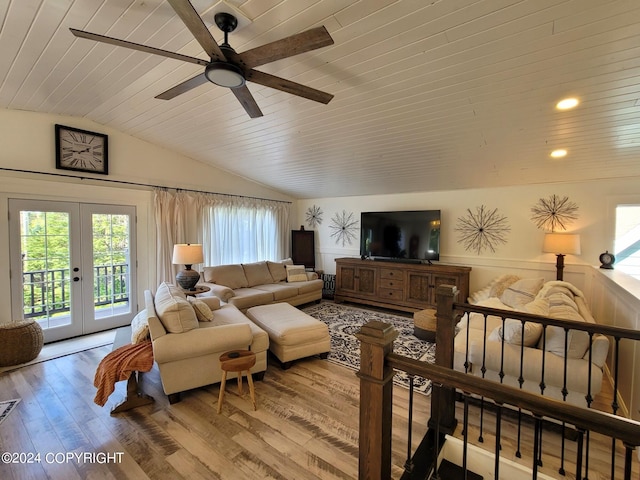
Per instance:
{"type": "Point", "coordinates": [554, 299]}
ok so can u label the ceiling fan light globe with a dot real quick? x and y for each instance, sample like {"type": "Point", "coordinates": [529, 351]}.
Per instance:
{"type": "Point", "coordinates": [224, 75]}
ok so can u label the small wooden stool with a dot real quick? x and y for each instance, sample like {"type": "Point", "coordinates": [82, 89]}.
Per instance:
{"type": "Point", "coordinates": [237, 361]}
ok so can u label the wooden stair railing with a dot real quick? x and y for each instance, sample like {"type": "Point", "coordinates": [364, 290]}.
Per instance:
{"type": "Point", "coordinates": [376, 388]}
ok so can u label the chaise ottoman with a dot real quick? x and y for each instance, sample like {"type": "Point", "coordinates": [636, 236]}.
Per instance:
{"type": "Point", "coordinates": [292, 333]}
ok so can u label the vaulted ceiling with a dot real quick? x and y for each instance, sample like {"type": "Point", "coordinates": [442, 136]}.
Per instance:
{"type": "Point", "coordinates": [429, 95]}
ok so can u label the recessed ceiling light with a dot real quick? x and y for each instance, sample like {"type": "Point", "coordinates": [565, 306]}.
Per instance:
{"type": "Point", "coordinates": [567, 103]}
{"type": "Point", "coordinates": [559, 153]}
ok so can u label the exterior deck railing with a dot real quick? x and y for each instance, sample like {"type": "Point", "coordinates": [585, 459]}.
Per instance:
{"type": "Point", "coordinates": [48, 292]}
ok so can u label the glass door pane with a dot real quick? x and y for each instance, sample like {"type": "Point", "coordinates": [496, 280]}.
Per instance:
{"type": "Point", "coordinates": [45, 286]}
{"type": "Point", "coordinates": [108, 231]}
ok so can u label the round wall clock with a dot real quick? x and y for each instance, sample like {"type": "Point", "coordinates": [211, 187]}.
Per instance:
{"type": "Point", "coordinates": [607, 259]}
{"type": "Point", "coordinates": [81, 150]}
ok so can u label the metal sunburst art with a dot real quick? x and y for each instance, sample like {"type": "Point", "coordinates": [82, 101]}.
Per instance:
{"type": "Point", "coordinates": [314, 216]}
{"type": "Point", "coordinates": [344, 227]}
{"type": "Point", "coordinates": [482, 229]}
{"type": "Point", "coordinates": [554, 213]}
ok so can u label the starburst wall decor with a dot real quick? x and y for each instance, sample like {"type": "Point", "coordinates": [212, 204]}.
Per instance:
{"type": "Point", "coordinates": [344, 227]}
{"type": "Point", "coordinates": [314, 216]}
{"type": "Point", "coordinates": [554, 213]}
{"type": "Point", "coordinates": [482, 229]}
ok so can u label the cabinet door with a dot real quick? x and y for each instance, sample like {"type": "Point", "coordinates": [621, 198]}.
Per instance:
{"type": "Point", "coordinates": [366, 281]}
{"type": "Point", "coordinates": [346, 279]}
{"type": "Point", "coordinates": [444, 279]}
{"type": "Point", "coordinates": [418, 288]}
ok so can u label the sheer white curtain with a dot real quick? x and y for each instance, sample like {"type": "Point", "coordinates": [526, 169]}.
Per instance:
{"type": "Point", "coordinates": [231, 229]}
{"type": "Point", "coordinates": [241, 230]}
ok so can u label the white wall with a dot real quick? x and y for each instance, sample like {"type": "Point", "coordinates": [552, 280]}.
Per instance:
{"type": "Point", "coordinates": [596, 214]}
{"type": "Point", "coordinates": [27, 141]}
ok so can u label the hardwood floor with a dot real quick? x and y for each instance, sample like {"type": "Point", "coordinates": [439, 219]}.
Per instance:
{"type": "Point", "coordinates": [305, 427]}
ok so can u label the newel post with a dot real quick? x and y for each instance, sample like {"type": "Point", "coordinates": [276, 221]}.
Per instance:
{"type": "Point", "coordinates": [376, 398]}
{"type": "Point", "coordinates": [443, 400]}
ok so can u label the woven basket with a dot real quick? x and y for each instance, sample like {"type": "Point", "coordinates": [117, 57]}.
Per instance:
{"type": "Point", "coordinates": [20, 342]}
{"type": "Point", "coordinates": [424, 324]}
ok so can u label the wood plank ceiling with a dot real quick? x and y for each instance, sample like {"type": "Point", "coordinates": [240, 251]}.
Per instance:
{"type": "Point", "coordinates": [429, 95]}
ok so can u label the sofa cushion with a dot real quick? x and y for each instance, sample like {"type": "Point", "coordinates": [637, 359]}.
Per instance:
{"type": "Point", "coordinates": [230, 315]}
{"type": "Point", "coordinates": [257, 273]}
{"type": "Point", "coordinates": [140, 327]}
{"type": "Point", "coordinates": [174, 311]}
{"type": "Point", "coordinates": [278, 271]}
{"type": "Point", "coordinates": [519, 293]}
{"type": "Point", "coordinates": [250, 297]}
{"type": "Point", "coordinates": [203, 312]}
{"type": "Point", "coordinates": [296, 273]}
{"type": "Point", "coordinates": [231, 276]}
{"type": "Point", "coordinates": [281, 291]}
{"type": "Point", "coordinates": [309, 286]}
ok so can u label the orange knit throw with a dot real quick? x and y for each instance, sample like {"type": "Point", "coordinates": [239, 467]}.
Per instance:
{"type": "Point", "coordinates": [119, 365]}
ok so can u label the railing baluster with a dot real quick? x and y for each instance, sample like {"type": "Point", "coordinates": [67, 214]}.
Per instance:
{"type": "Point", "coordinates": [408, 465]}
{"type": "Point", "coordinates": [497, 446]}
{"type": "Point", "coordinates": [465, 435]}
{"type": "Point", "coordinates": [614, 403]}
{"type": "Point", "coordinates": [579, 453]}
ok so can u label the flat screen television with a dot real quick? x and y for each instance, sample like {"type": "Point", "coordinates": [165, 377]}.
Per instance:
{"type": "Point", "coordinates": [411, 236]}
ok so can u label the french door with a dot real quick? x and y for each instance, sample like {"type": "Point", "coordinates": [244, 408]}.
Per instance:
{"type": "Point", "coordinates": [72, 265]}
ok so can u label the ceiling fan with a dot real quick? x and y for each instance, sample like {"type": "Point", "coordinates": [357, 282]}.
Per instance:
{"type": "Point", "coordinates": [227, 68]}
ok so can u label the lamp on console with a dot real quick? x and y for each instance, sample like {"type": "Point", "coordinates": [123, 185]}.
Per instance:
{"type": "Point", "coordinates": [561, 244]}
{"type": "Point", "coordinates": [187, 254]}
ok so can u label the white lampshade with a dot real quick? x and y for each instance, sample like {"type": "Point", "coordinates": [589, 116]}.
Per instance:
{"type": "Point", "coordinates": [187, 253]}
{"type": "Point", "coordinates": [561, 243]}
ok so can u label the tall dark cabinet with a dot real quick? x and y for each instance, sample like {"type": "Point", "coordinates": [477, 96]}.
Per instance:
{"type": "Point", "coordinates": [303, 251]}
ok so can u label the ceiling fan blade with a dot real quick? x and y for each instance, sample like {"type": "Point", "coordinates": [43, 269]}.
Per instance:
{"type": "Point", "coordinates": [183, 87]}
{"type": "Point", "coordinates": [288, 86]}
{"type": "Point", "coordinates": [196, 26]}
{"type": "Point", "coordinates": [287, 47]}
{"type": "Point", "coordinates": [247, 101]}
{"type": "Point", "coordinates": [137, 46]}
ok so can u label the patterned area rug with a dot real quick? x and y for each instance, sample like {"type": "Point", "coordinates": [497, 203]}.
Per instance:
{"type": "Point", "coordinates": [344, 321]}
{"type": "Point", "coordinates": [7, 407]}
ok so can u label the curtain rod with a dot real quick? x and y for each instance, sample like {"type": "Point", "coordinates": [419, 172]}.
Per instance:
{"type": "Point", "coordinates": [109, 180]}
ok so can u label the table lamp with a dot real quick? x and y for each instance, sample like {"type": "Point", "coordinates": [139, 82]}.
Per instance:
{"type": "Point", "coordinates": [187, 254]}
{"type": "Point", "coordinates": [561, 244]}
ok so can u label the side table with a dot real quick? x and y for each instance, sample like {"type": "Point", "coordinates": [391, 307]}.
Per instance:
{"type": "Point", "coordinates": [237, 361]}
{"type": "Point", "coordinates": [198, 289]}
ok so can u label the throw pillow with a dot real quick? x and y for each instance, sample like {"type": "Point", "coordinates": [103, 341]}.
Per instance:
{"type": "Point", "coordinates": [514, 333]}
{"type": "Point", "coordinates": [231, 276]}
{"type": "Point", "coordinates": [296, 273]}
{"type": "Point", "coordinates": [257, 273]}
{"type": "Point", "coordinates": [140, 327]}
{"type": "Point", "coordinates": [203, 312]}
{"type": "Point", "coordinates": [277, 270]}
{"type": "Point", "coordinates": [174, 310]}
{"type": "Point", "coordinates": [518, 294]}
{"type": "Point", "coordinates": [212, 302]}
{"type": "Point", "coordinates": [495, 288]}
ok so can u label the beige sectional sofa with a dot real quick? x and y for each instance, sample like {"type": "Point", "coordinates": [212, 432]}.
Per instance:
{"type": "Point", "coordinates": [188, 342]}
{"type": "Point", "coordinates": [261, 283]}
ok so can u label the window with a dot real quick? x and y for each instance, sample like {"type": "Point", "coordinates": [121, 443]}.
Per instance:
{"type": "Point", "coordinates": [242, 234]}
{"type": "Point", "coordinates": [627, 243]}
